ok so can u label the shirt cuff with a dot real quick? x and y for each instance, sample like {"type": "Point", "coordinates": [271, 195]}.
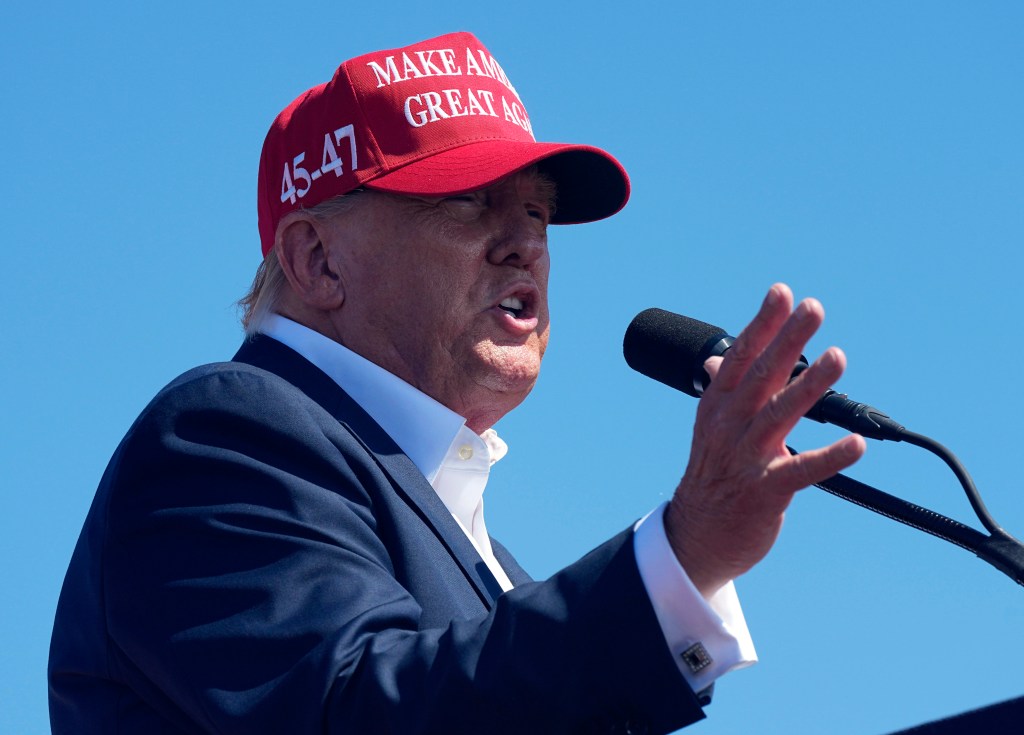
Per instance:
{"type": "Point", "coordinates": [707, 638]}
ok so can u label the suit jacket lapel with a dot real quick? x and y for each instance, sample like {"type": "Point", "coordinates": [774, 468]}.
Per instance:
{"type": "Point", "coordinates": [516, 574]}
{"type": "Point", "coordinates": [408, 481]}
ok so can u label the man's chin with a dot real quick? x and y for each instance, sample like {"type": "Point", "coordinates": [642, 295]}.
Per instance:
{"type": "Point", "coordinates": [510, 367]}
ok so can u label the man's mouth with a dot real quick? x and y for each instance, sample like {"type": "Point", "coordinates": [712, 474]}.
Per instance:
{"type": "Point", "coordinates": [513, 305]}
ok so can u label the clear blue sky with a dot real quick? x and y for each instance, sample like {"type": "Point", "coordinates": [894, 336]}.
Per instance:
{"type": "Point", "coordinates": [870, 154]}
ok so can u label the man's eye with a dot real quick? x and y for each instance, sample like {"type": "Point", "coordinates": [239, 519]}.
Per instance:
{"type": "Point", "coordinates": [464, 207]}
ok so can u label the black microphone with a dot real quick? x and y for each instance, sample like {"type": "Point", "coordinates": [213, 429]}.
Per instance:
{"type": "Point", "coordinates": [672, 349]}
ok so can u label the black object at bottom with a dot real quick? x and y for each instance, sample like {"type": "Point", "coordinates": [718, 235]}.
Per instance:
{"type": "Point", "coordinates": [1004, 718]}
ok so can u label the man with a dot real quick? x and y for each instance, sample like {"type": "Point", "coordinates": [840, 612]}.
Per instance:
{"type": "Point", "coordinates": [294, 542]}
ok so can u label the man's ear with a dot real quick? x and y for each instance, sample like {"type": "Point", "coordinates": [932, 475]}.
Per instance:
{"type": "Point", "coordinates": [307, 262]}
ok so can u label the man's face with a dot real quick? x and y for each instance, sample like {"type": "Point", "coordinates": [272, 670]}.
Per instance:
{"type": "Point", "coordinates": [450, 293]}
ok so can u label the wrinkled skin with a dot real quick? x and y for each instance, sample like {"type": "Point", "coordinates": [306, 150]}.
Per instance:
{"type": "Point", "coordinates": [416, 284]}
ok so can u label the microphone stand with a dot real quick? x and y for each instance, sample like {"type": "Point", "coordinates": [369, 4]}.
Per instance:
{"type": "Point", "coordinates": [998, 548]}
{"type": "Point", "coordinates": [672, 348]}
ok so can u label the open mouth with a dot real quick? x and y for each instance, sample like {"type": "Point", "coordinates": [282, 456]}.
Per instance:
{"type": "Point", "coordinates": [513, 305]}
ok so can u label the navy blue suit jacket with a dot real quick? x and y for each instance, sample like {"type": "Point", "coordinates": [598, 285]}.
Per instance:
{"type": "Point", "coordinates": [261, 557]}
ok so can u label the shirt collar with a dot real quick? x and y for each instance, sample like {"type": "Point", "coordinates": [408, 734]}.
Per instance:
{"type": "Point", "coordinates": [422, 428]}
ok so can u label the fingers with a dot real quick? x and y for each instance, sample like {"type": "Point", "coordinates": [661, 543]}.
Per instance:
{"type": "Point", "coordinates": [755, 337]}
{"type": "Point", "coordinates": [712, 365]}
{"type": "Point", "coordinates": [783, 409]}
{"type": "Point", "coordinates": [788, 474]}
{"type": "Point", "coordinates": [772, 404]}
{"type": "Point", "coordinates": [728, 508]}
{"type": "Point", "coordinates": [774, 366]}
{"type": "Point", "coordinates": [752, 399]}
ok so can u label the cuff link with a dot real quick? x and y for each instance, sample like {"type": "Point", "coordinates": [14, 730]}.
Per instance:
{"type": "Point", "coordinates": [696, 657]}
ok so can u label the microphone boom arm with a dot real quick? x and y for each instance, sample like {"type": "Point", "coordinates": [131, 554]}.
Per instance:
{"type": "Point", "coordinates": [672, 348]}
{"type": "Point", "coordinates": [999, 549]}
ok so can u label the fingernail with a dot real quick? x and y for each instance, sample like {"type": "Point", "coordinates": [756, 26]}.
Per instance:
{"type": "Point", "coordinates": [772, 296]}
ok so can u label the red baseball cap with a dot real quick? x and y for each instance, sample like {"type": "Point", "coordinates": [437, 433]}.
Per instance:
{"type": "Point", "coordinates": [436, 118]}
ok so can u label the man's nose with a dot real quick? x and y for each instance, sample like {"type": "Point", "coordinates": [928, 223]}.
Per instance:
{"type": "Point", "coordinates": [522, 241]}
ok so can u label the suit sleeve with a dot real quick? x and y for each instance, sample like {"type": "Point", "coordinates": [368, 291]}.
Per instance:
{"type": "Point", "coordinates": [247, 589]}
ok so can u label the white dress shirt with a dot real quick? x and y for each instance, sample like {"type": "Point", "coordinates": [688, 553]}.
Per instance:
{"type": "Point", "coordinates": [707, 637]}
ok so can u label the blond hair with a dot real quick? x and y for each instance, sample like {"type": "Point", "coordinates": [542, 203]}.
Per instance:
{"type": "Point", "coordinates": [269, 283]}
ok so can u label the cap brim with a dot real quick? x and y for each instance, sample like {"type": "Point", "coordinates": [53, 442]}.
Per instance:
{"type": "Point", "coordinates": [591, 184]}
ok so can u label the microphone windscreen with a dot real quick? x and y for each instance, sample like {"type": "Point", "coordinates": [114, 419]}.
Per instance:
{"type": "Point", "coordinates": [670, 348]}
